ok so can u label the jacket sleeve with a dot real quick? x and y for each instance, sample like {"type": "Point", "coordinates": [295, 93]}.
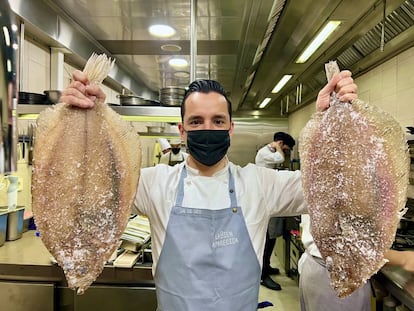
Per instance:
{"type": "Point", "coordinates": [283, 193]}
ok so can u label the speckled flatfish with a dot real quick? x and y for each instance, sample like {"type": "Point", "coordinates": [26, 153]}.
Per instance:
{"type": "Point", "coordinates": [355, 166]}
{"type": "Point", "coordinates": [85, 174]}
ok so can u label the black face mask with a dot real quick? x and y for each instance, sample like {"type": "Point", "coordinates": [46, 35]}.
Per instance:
{"type": "Point", "coordinates": [208, 146]}
{"type": "Point", "coordinates": [175, 150]}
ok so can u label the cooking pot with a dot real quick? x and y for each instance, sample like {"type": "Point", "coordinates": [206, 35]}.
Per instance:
{"type": "Point", "coordinates": [132, 100]}
{"type": "Point", "coordinates": [171, 96]}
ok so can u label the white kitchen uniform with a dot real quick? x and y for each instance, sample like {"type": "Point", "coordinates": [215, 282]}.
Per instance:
{"type": "Point", "coordinates": [260, 194]}
{"type": "Point", "coordinates": [268, 157]}
{"type": "Point", "coordinates": [312, 271]}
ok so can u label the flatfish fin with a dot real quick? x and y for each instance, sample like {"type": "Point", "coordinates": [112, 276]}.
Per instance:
{"type": "Point", "coordinates": [85, 173]}
{"type": "Point", "coordinates": [355, 166]}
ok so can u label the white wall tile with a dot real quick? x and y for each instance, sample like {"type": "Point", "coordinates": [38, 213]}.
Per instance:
{"type": "Point", "coordinates": [390, 86]}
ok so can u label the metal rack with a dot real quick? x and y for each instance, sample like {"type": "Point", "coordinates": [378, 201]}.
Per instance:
{"type": "Point", "coordinates": [122, 110]}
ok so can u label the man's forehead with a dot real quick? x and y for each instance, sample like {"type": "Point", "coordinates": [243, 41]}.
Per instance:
{"type": "Point", "coordinates": [202, 101]}
{"type": "Point", "coordinates": [202, 96]}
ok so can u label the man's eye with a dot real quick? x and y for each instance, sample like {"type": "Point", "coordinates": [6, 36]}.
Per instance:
{"type": "Point", "coordinates": [194, 122]}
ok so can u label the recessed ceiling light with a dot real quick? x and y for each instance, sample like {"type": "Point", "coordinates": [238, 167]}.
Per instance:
{"type": "Point", "coordinates": [171, 48]}
{"type": "Point", "coordinates": [162, 31]}
{"type": "Point", "coordinates": [178, 62]}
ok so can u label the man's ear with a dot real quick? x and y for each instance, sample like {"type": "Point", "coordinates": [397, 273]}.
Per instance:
{"type": "Point", "coordinates": [231, 128]}
{"type": "Point", "coordinates": [182, 132]}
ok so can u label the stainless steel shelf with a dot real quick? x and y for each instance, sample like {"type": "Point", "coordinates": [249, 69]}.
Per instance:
{"type": "Point", "coordinates": [150, 111]}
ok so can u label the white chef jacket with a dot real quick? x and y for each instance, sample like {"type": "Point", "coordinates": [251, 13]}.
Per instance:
{"type": "Point", "coordinates": [181, 156]}
{"type": "Point", "coordinates": [307, 241]}
{"type": "Point", "coordinates": [261, 193]}
{"type": "Point", "coordinates": [268, 157]}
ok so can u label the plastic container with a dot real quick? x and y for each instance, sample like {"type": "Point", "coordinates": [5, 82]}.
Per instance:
{"type": "Point", "coordinates": [15, 224]}
{"type": "Point", "coordinates": [3, 226]}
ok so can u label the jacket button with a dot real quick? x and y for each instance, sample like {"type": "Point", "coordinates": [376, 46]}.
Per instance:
{"type": "Point", "coordinates": [234, 209]}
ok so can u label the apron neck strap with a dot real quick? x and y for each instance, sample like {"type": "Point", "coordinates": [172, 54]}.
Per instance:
{"type": "Point", "coordinates": [180, 194]}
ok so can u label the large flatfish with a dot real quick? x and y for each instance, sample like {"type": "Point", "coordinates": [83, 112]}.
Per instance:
{"type": "Point", "coordinates": [85, 174]}
{"type": "Point", "coordinates": [355, 166]}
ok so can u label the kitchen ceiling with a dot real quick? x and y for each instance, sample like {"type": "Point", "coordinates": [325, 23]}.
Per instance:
{"type": "Point", "coordinates": [246, 45]}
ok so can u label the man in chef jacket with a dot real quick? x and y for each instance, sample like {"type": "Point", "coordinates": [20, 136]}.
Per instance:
{"type": "Point", "coordinates": [165, 145]}
{"type": "Point", "coordinates": [269, 156]}
{"type": "Point", "coordinates": [160, 149]}
{"type": "Point", "coordinates": [175, 155]}
{"type": "Point", "coordinates": [209, 216]}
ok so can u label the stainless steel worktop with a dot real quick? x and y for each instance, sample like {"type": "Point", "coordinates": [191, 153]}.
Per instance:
{"type": "Point", "coordinates": [30, 280]}
{"type": "Point", "coordinates": [28, 259]}
{"type": "Point", "coordinates": [399, 283]}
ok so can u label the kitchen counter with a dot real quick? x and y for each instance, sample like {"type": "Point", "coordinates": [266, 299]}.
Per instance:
{"type": "Point", "coordinates": [28, 278]}
{"type": "Point", "coordinates": [399, 283]}
{"type": "Point", "coordinates": [28, 259]}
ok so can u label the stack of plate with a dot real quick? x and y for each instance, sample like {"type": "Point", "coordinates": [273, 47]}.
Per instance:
{"type": "Point", "coordinates": [171, 96]}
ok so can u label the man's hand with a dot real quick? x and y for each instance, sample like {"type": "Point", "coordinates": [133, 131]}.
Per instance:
{"type": "Point", "coordinates": [344, 86]}
{"type": "Point", "coordinates": [403, 259]}
{"type": "Point", "coordinates": [82, 94]}
{"type": "Point", "coordinates": [277, 145]}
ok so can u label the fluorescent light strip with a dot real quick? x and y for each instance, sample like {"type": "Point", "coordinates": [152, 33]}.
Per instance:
{"type": "Point", "coordinates": [6, 35]}
{"type": "Point", "coordinates": [265, 102]}
{"type": "Point", "coordinates": [317, 41]}
{"type": "Point", "coordinates": [281, 83]}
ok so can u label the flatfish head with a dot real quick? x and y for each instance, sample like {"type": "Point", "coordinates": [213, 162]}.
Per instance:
{"type": "Point", "coordinates": [85, 174]}
{"type": "Point", "coordinates": [355, 169]}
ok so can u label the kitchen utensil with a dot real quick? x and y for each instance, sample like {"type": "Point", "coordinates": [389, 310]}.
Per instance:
{"type": "Point", "coordinates": [9, 68]}
{"type": "Point", "coordinates": [171, 96]}
{"type": "Point", "coordinates": [132, 100]}
{"type": "Point", "coordinates": [31, 142]}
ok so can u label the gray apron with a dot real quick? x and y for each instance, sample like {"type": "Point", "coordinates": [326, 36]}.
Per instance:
{"type": "Point", "coordinates": [317, 294]}
{"type": "Point", "coordinates": [207, 262]}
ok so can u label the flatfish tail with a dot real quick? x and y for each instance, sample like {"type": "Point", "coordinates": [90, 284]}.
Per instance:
{"type": "Point", "coordinates": [85, 173]}
{"type": "Point", "coordinates": [355, 169]}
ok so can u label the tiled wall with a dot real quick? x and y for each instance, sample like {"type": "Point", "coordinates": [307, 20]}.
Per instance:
{"type": "Point", "coordinates": [36, 79]}
{"type": "Point", "coordinates": [36, 68]}
{"type": "Point", "coordinates": [390, 86]}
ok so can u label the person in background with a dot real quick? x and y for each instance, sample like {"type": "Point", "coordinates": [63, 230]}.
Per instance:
{"type": "Point", "coordinates": [165, 145]}
{"type": "Point", "coordinates": [268, 156]}
{"type": "Point", "coordinates": [175, 155]}
{"type": "Point", "coordinates": [209, 216]}
{"type": "Point", "coordinates": [316, 293]}
{"type": "Point", "coordinates": [160, 148]}
{"type": "Point", "coordinates": [274, 152]}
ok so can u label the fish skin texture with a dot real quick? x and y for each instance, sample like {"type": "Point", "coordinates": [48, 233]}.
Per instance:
{"type": "Point", "coordinates": [86, 168]}
{"type": "Point", "coordinates": [355, 166]}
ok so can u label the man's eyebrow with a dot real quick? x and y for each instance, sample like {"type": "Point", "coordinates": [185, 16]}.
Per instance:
{"type": "Point", "coordinates": [222, 116]}
{"type": "Point", "coordinates": [194, 118]}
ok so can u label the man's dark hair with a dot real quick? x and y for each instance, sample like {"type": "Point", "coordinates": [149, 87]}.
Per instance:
{"type": "Point", "coordinates": [285, 137]}
{"type": "Point", "coordinates": [205, 86]}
